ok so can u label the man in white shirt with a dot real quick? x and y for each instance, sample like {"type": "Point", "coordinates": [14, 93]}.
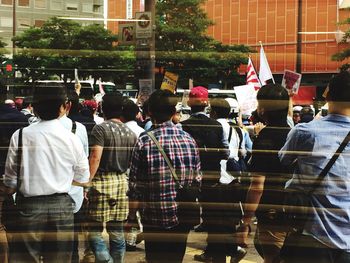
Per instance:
{"type": "Point", "coordinates": [52, 159]}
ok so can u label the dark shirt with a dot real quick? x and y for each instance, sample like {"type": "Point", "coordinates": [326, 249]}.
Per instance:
{"type": "Point", "coordinates": [117, 141]}
{"type": "Point", "coordinates": [208, 134]}
{"type": "Point", "coordinates": [265, 162]}
{"type": "Point", "coordinates": [89, 123]}
{"type": "Point", "coordinates": [10, 121]}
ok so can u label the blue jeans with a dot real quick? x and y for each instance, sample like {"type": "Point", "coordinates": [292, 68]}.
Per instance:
{"type": "Point", "coordinates": [116, 251]}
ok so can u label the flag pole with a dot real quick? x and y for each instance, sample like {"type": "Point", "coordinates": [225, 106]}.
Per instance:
{"type": "Point", "coordinates": [255, 69]}
{"type": "Point", "coordinates": [260, 42]}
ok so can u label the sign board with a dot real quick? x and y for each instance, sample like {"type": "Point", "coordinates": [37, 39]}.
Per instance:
{"type": "Point", "coordinates": [291, 81]}
{"type": "Point", "coordinates": [129, 9]}
{"type": "Point", "coordinates": [169, 81]}
{"type": "Point", "coordinates": [145, 90]}
{"type": "Point", "coordinates": [127, 33]}
{"type": "Point", "coordinates": [246, 97]}
{"type": "Point", "coordinates": [144, 26]}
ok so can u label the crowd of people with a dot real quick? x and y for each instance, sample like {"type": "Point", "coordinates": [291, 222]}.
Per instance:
{"type": "Point", "coordinates": [67, 171]}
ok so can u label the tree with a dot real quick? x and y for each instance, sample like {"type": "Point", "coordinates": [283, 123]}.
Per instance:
{"type": "Point", "coordinates": [60, 45]}
{"type": "Point", "coordinates": [345, 53]}
{"type": "Point", "coordinates": [184, 47]}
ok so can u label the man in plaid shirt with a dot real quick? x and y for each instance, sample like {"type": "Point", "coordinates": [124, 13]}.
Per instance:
{"type": "Point", "coordinates": [152, 188]}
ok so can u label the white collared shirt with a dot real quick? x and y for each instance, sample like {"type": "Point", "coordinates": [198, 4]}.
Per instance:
{"type": "Point", "coordinates": [132, 125]}
{"type": "Point", "coordinates": [52, 157]}
{"type": "Point", "coordinates": [77, 192]}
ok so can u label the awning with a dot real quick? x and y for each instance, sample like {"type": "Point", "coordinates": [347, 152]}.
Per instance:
{"type": "Point", "coordinates": [344, 4]}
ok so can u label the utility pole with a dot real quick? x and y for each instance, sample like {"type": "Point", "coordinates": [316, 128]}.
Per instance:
{"type": "Point", "coordinates": [299, 36]}
{"type": "Point", "coordinates": [13, 25]}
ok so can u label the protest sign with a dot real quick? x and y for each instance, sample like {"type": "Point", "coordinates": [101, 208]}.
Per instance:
{"type": "Point", "coordinates": [145, 90]}
{"type": "Point", "coordinates": [169, 82]}
{"type": "Point", "coordinates": [246, 97]}
{"type": "Point", "coordinates": [291, 81]}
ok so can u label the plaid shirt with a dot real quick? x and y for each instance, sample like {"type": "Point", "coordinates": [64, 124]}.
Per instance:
{"type": "Point", "coordinates": [150, 180]}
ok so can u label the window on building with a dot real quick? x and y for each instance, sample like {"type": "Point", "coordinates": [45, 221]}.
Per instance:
{"type": "Point", "coordinates": [56, 5]}
{"type": "Point", "coordinates": [6, 21]}
{"type": "Point", "coordinates": [97, 8]}
{"type": "Point", "coordinates": [23, 3]}
{"type": "Point", "coordinates": [40, 4]}
{"type": "Point", "coordinates": [6, 2]}
{"type": "Point", "coordinates": [23, 23]}
{"type": "Point", "coordinates": [72, 7]}
{"type": "Point", "coordinates": [39, 23]}
{"type": "Point", "coordinates": [87, 8]}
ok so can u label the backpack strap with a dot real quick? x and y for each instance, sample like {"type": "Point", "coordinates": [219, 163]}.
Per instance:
{"type": "Point", "coordinates": [240, 135]}
{"type": "Point", "coordinates": [74, 127]}
{"type": "Point", "coordinates": [230, 134]}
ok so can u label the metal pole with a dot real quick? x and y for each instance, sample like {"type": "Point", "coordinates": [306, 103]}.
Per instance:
{"type": "Point", "coordinates": [150, 7]}
{"type": "Point", "coordinates": [299, 36]}
{"type": "Point", "coordinates": [13, 25]}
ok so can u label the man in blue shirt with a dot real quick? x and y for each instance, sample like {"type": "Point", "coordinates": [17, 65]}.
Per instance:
{"type": "Point", "coordinates": [326, 236]}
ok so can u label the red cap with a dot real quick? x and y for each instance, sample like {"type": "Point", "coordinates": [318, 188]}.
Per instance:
{"type": "Point", "coordinates": [90, 104]}
{"type": "Point", "coordinates": [198, 95]}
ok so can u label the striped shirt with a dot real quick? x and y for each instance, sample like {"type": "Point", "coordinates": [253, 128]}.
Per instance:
{"type": "Point", "coordinates": [150, 180]}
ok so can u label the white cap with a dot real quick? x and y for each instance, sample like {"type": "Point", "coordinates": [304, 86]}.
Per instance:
{"type": "Point", "coordinates": [233, 104]}
{"type": "Point", "coordinates": [297, 108]}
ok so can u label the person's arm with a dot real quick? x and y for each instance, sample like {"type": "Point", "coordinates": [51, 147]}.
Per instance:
{"type": "Point", "coordinates": [10, 175]}
{"type": "Point", "coordinates": [94, 159]}
{"type": "Point", "coordinates": [81, 166]}
{"type": "Point", "coordinates": [251, 204]}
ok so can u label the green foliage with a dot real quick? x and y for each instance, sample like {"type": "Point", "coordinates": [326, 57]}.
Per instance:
{"type": "Point", "coordinates": [183, 46]}
{"type": "Point", "coordinates": [345, 53]}
{"type": "Point", "coordinates": [60, 45]}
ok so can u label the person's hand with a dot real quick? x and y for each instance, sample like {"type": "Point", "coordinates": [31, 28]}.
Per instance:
{"type": "Point", "coordinates": [258, 127]}
{"type": "Point", "coordinates": [291, 92]}
{"type": "Point", "coordinates": [77, 87]}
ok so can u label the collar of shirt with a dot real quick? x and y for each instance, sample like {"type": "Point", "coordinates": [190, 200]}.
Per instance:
{"type": "Point", "coordinates": [337, 118]}
{"type": "Point", "coordinates": [200, 113]}
{"type": "Point", "coordinates": [164, 124]}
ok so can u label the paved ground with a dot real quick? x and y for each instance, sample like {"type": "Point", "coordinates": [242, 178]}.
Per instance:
{"type": "Point", "coordinates": [195, 244]}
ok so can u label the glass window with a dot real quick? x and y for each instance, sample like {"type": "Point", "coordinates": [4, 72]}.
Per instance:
{"type": "Point", "coordinates": [97, 8]}
{"type": "Point", "coordinates": [56, 5]}
{"type": "Point", "coordinates": [6, 2]}
{"type": "Point", "coordinates": [23, 3]}
{"type": "Point", "coordinates": [6, 21]}
{"type": "Point", "coordinates": [39, 23]}
{"type": "Point", "coordinates": [40, 3]}
{"type": "Point", "coordinates": [72, 7]}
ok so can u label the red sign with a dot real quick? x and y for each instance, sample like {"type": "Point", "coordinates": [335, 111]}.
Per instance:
{"type": "Point", "coordinates": [9, 68]}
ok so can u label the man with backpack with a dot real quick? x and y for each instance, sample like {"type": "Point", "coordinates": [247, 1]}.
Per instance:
{"type": "Point", "coordinates": [213, 148]}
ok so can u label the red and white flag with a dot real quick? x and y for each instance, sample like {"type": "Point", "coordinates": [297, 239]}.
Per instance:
{"type": "Point", "coordinates": [265, 73]}
{"type": "Point", "coordinates": [252, 77]}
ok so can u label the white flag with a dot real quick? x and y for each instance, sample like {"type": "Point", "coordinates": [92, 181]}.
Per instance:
{"type": "Point", "coordinates": [265, 71]}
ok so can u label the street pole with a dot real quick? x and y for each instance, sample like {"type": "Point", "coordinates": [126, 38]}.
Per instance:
{"type": "Point", "coordinates": [150, 7]}
{"type": "Point", "coordinates": [299, 36]}
{"type": "Point", "coordinates": [13, 26]}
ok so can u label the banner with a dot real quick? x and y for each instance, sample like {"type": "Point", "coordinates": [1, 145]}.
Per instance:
{"type": "Point", "coordinates": [169, 82]}
{"type": "Point", "coordinates": [145, 90]}
{"type": "Point", "coordinates": [246, 97]}
{"type": "Point", "coordinates": [291, 81]}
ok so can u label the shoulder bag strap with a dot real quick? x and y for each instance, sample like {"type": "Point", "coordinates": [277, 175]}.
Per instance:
{"type": "Point", "coordinates": [330, 163]}
{"type": "Point", "coordinates": [240, 135]}
{"type": "Point", "coordinates": [19, 160]}
{"type": "Point", "coordinates": [230, 134]}
{"type": "Point", "coordinates": [74, 127]}
{"type": "Point", "coordinates": [161, 150]}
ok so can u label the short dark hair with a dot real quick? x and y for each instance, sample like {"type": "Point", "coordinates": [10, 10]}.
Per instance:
{"type": "Point", "coordinates": [339, 87]}
{"type": "Point", "coordinates": [162, 105]}
{"type": "Point", "coordinates": [47, 100]}
{"type": "Point", "coordinates": [221, 107]}
{"type": "Point", "coordinates": [275, 100]}
{"type": "Point", "coordinates": [130, 110]}
{"type": "Point", "coordinates": [73, 98]}
{"type": "Point", "coordinates": [112, 105]}
{"type": "Point", "coordinates": [27, 101]}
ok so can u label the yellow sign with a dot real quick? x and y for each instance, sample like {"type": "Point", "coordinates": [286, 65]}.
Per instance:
{"type": "Point", "coordinates": [169, 81]}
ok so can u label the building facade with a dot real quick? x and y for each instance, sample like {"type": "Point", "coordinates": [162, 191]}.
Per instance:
{"type": "Point", "coordinates": [36, 12]}
{"type": "Point", "coordinates": [275, 24]}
